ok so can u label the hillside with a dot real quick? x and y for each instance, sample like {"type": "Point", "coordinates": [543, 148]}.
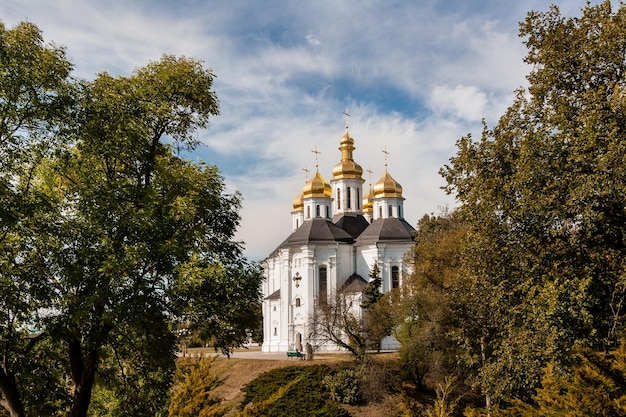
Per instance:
{"type": "Point", "coordinates": [237, 372]}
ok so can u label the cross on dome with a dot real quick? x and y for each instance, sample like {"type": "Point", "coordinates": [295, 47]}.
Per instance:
{"type": "Point", "coordinates": [347, 115]}
{"type": "Point", "coordinates": [316, 152]}
{"type": "Point", "coordinates": [386, 154]}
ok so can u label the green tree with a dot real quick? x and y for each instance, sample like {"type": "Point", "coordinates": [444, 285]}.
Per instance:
{"type": "Point", "coordinates": [34, 81]}
{"type": "Point", "coordinates": [377, 310]}
{"type": "Point", "coordinates": [543, 196]}
{"type": "Point", "coordinates": [126, 238]}
{"type": "Point", "coordinates": [192, 394]}
{"type": "Point", "coordinates": [594, 385]}
{"type": "Point", "coordinates": [423, 308]}
{"type": "Point", "coordinates": [372, 292]}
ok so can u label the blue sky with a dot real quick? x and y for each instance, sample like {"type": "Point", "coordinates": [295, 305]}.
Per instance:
{"type": "Point", "coordinates": [415, 76]}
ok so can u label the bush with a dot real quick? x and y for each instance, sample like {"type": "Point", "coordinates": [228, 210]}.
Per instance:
{"type": "Point", "coordinates": [343, 386]}
{"type": "Point", "coordinates": [291, 391]}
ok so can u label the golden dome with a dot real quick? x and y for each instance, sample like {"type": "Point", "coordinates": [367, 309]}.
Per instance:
{"type": "Point", "coordinates": [298, 204]}
{"type": "Point", "coordinates": [347, 168]}
{"type": "Point", "coordinates": [387, 187]}
{"type": "Point", "coordinates": [368, 204]}
{"type": "Point", "coordinates": [316, 187]}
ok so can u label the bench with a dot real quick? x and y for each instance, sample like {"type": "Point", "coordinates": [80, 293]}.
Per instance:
{"type": "Point", "coordinates": [295, 355]}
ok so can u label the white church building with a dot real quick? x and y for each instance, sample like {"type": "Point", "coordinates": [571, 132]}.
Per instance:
{"type": "Point", "coordinates": [339, 232]}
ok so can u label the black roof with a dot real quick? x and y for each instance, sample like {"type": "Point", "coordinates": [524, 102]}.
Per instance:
{"type": "Point", "coordinates": [316, 230]}
{"type": "Point", "coordinates": [274, 296]}
{"type": "Point", "coordinates": [387, 230]}
{"type": "Point", "coordinates": [352, 223]}
{"type": "Point", "coordinates": [355, 283]}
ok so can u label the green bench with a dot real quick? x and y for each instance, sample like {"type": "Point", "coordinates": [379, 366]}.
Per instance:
{"type": "Point", "coordinates": [295, 355]}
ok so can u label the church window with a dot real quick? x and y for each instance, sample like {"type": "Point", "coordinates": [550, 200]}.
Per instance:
{"type": "Point", "coordinates": [297, 223]}
{"type": "Point", "coordinates": [400, 211]}
{"type": "Point", "coordinates": [380, 212]}
{"type": "Point", "coordinates": [297, 302]}
{"type": "Point", "coordinates": [308, 212]}
{"type": "Point", "coordinates": [348, 205]}
{"type": "Point", "coordinates": [390, 211]}
{"type": "Point", "coordinates": [327, 212]}
{"type": "Point", "coordinates": [338, 199]}
{"type": "Point", "coordinates": [323, 285]}
{"type": "Point", "coordinates": [317, 210]}
{"type": "Point", "coordinates": [274, 308]}
{"type": "Point", "coordinates": [358, 199]}
{"type": "Point", "coordinates": [395, 277]}
{"type": "Point", "coordinates": [275, 331]}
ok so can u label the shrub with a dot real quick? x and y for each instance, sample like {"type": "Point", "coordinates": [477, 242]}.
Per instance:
{"type": "Point", "coordinates": [343, 386]}
{"type": "Point", "coordinates": [291, 391]}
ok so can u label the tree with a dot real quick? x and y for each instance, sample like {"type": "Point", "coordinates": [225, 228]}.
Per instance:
{"type": "Point", "coordinates": [132, 238]}
{"type": "Point", "coordinates": [34, 79]}
{"type": "Point", "coordinates": [543, 197]}
{"type": "Point", "coordinates": [594, 385]}
{"type": "Point", "coordinates": [339, 321]}
{"type": "Point", "coordinates": [377, 311]}
{"type": "Point", "coordinates": [372, 292]}
{"type": "Point", "coordinates": [423, 308]}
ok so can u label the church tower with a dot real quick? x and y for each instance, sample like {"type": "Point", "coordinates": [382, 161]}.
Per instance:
{"type": "Point", "coordinates": [347, 182]}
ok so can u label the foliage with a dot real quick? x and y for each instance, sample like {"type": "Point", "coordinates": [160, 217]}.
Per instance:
{"type": "Point", "coordinates": [371, 294]}
{"type": "Point", "coordinates": [543, 198]}
{"type": "Point", "coordinates": [377, 311]}
{"type": "Point", "coordinates": [191, 395]}
{"type": "Point", "coordinates": [34, 79]}
{"type": "Point", "coordinates": [343, 386]}
{"type": "Point", "coordinates": [108, 236]}
{"type": "Point", "coordinates": [423, 309]}
{"type": "Point", "coordinates": [290, 391]}
{"type": "Point", "coordinates": [444, 405]}
{"type": "Point", "coordinates": [595, 385]}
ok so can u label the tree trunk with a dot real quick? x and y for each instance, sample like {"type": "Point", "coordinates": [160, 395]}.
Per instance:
{"type": "Point", "coordinates": [84, 373]}
{"type": "Point", "coordinates": [11, 400]}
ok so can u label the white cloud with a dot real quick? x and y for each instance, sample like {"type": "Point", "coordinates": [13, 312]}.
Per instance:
{"type": "Point", "coordinates": [465, 102]}
{"type": "Point", "coordinates": [414, 77]}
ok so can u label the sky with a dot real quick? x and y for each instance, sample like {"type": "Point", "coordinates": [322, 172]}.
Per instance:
{"type": "Point", "coordinates": [415, 76]}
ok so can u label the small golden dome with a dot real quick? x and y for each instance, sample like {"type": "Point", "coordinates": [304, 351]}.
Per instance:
{"type": "Point", "coordinates": [298, 204]}
{"type": "Point", "coordinates": [316, 187]}
{"type": "Point", "coordinates": [347, 168]}
{"type": "Point", "coordinates": [368, 204]}
{"type": "Point", "coordinates": [387, 187]}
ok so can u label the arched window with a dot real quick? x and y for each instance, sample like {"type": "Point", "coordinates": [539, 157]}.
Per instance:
{"type": "Point", "coordinates": [380, 212]}
{"type": "Point", "coordinates": [400, 211]}
{"type": "Point", "coordinates": [323, 285]}
{"type": "Point", "coordinates": [338, 199]}
{"type": "Point", "coordinates": [275, 331]}
{"type": "Point", "coordinates": [328, 212]}
{"type": "Point", "coordinates": [297, 223]}
{"type": "Point", "coordinates": [390, 210]}
{"type": "Point", "coordinates": [297, 302]}
{"type": "Point", "coordinates": [348, 202]}
{"type": "Point", "coordinates": [317, 210]}
{"type": "Point", "coordinates": [308, 212]}
{"type": "Point", "coordinates": [395, 277]}
{"type": "Point", "coordinates": [358, 199]}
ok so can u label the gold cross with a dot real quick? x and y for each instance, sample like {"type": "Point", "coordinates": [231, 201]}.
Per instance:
{"type": "Point", "coordinates": [369, 170]}
{"type": "Point", "coordinates": [316, 152]}
{"type": "Point", "coordinates": [386, 153]}
{"type": "Point", "coordinates": [345, 113]}
{"type": "Point", "coordinates": [306, 173]}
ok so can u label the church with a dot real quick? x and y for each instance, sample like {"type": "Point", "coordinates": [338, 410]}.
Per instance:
{"type": "Point", "coordinates": [338, 234]}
